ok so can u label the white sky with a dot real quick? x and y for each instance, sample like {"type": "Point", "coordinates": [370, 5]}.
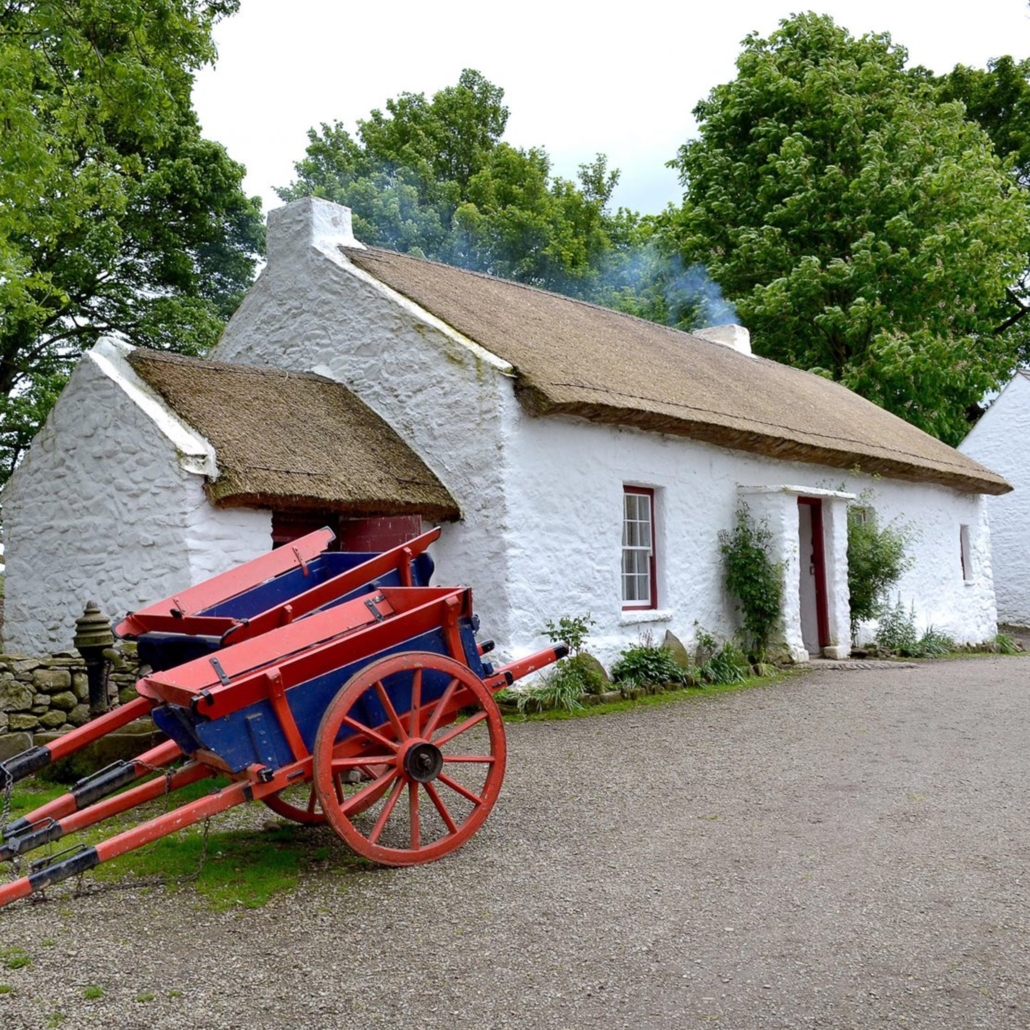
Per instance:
{"type": "Point", "coordinates": [579, 77]}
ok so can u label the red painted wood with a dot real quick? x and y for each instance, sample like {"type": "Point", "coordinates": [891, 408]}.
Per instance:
{"type": "Point", "coordinates": [378, 534]}
{"type": "Point", "coordinates": [66, 804]}
{"type": "Point", "coordinates": [229, 584]}
{"type": "Point", "coordinates": [71, 741]}
{"type": "Point", "coordinates": [387, 747]}
{"type": "Point", "coordinates": [822, 608]}
{"type": "Point", "coordinates": [304, 650]}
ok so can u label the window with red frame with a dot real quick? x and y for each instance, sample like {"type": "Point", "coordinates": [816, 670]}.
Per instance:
{"type": "Point", "coordinates": [639, 587]}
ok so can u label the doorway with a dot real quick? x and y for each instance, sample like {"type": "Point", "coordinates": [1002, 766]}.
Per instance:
{"type": "Point", "coordinates": [815, 618]}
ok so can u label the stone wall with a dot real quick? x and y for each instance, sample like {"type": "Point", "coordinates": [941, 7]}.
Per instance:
{"type": "Point", "coordinates": [45, 696]}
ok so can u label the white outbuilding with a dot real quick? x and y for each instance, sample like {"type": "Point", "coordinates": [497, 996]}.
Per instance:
{"type": "Point", "coordinates": [591, 459]}
{"type": "Point", "coordinates": [1000, 440]}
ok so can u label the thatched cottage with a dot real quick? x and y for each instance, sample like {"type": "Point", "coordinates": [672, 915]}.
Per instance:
{"type": "Point", "coordinates": [1000, 439]}
{"type": "Point", "coordinates": [589, 458]}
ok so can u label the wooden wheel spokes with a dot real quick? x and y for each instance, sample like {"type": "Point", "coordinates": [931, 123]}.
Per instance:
{"type": "Point", "coordinates": [395, 721]}
{"type": "Point", "coordinates": [298, 804]}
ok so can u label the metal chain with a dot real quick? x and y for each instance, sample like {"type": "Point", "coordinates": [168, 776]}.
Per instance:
{"type": "Point", "coordinates": [82, 888]}
{"type": "Point", "coordinates": [5, 805]}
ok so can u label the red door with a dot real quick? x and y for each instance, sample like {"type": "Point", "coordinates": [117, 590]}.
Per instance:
{"type": "Point", "coordinates": [814, 562]}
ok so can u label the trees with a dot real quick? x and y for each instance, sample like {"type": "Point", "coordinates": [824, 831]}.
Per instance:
{"type": "Point", "coordinates": [432, 177]}
{"type": "Point", "coordinates": [864, 228]}
{"type": "Point", "coordinates": [115, 214]}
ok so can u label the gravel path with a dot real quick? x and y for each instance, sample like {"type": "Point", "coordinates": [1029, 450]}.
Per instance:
{"type": "Point", "coordinates": [843, 849]}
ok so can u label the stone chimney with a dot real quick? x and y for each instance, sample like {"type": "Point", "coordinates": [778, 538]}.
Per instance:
{"type": "Point", "coordinates": [308, 223]}
{"type": "Point", "coordinates": [735, 337]}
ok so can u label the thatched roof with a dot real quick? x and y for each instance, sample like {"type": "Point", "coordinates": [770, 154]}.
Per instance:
{"type": "Point", "coordinates": [294, 441]}
{"type": "Point", "coordinates": [573, 358]}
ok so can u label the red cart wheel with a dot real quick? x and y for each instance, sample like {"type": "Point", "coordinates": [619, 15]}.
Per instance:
{"type": "Point", "coordinates": [445, 757]}
{"type": "Point", "coordinates": [283, 804]}
{"type": "Point", "coordinates": [300, 804]}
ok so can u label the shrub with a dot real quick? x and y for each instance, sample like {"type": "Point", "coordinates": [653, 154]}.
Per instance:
{"type": "Point", "coordinates": [645, 665]}
{"type": "Point", "coordinates": [753, 578]}
{"type": "Point", "coordinates": [876, 561]}
{"type": "Point", "coordinates": [933, 644]}
{"type": "Point", "coordinates": [569, 630]}
{"type": "Point", "coordinates": [897, 628]}
{"type": "Point", "coordinates": [717, 663]}
{"type": "Point", "coordinates": [563, 684]}
{"type": "Point", "coordinates": [559, 688]}
{"type": "Point", "coordinates": [1004, 644]}
{"type": "Point", "coordinates": [897, 633]}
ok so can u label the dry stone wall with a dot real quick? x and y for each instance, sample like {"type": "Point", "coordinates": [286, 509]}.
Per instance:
{"type": "Point", "coordinates": [44, 696]}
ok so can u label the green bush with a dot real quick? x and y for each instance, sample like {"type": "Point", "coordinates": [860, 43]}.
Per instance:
{"type": "Point", "coordinates": [897, 634]}
{"type": "Point", "coordinates": [571, 630]}
{"type": "Point", "coordinates": [753, 578]}
{"type": "Point", "coordinates": [897, 628]}
{"type": "Point", "coordinates": [934, 644]}
{"type": "Point", "coordinates": [645, 665]}
{"type": "Point", "coordinates": [590, 672]}
{"type": "Point", "coordinates": [561, 687]}
{"type": "Point", "coordinates": [717, 663]}
{"type": "Point", "coordinates": [876, 561]}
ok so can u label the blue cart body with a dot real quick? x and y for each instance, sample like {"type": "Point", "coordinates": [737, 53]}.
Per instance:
{"type": "Point", "coordinates": [254, 734]}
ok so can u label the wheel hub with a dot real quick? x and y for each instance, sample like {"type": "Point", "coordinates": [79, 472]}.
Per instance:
{"type": "Point", "coordinates": [423, 761]}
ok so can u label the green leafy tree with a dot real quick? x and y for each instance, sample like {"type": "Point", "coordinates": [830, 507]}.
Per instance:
{"type": "Point", "coordinates": [864, 229]}
{"type": "Point", "coordinates": [116, 215]}
{"type": "Point", "coordinates": [997, 98]}
{"type": "Point", "coordinates": [432, 177]}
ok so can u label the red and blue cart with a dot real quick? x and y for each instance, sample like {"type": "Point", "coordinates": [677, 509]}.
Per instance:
{"type": "Point", "coordinates": [335, 688]}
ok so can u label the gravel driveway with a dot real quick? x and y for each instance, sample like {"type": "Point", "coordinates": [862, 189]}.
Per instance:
{"type": "Point", "coordinates": [841, 849]}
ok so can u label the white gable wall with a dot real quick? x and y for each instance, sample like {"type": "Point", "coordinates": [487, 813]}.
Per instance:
{"type": "Point", "coordinates": [125, 522]}
{"type": "Point", "coordinates": [999, 440]}
{"type": "Point", "coordinates": [450, 400]}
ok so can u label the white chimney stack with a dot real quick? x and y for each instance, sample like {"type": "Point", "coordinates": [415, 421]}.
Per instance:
{"type": "Point", "coordinates": [736, 337]}
{"type": "Point", "coordinates": [308, 223]}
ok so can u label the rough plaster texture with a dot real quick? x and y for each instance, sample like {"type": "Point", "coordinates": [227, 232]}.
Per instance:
{"type": "Point", "coordinates": [447, 397]}
{"type": "Point", "coordinates": [542, 498]}
{"type": "Point", "coordinates": [113, 485]}
{"type": "Point", "coordinates": [999, 440]}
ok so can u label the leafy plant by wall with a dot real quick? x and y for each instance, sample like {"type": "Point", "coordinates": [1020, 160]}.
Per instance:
{"type": "Point", "coordinates": [877, 559]}
{"type": "Point", "coordinates": [753, 578]}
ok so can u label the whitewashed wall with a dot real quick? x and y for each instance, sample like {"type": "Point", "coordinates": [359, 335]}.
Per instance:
{"type": "Point", "coordinates": [542, 498]}
{"type": "Point", "coordinates": [568, 550]}
{"type": "Point", "coordinates": [311, 310]}
{"type": "Point", "coordinates": [108, 505]}
{"type": "Point", "coordinates": [999, 440]}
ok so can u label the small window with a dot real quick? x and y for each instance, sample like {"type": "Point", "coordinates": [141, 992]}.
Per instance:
{"type": "Point", "coordinates": [965, 554]}
{"type": "Point", "coordinates": [638, 550]}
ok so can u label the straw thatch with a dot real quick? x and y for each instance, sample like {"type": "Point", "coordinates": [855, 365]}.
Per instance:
{"type": "Point", "coordinates": [294, 441]}
{"type": "Point", "coordinates": [573, 358]}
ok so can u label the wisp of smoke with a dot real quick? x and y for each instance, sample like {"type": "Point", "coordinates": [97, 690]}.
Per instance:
{"type": "Point", "coordinates": [691, 287]}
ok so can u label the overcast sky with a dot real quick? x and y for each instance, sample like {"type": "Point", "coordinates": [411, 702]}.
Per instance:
{"type": "Point", "coordinates": [579, 78]}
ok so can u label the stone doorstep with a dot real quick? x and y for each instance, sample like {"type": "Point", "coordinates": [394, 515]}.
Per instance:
{"type": "Point", "coordinates": [847, 664]}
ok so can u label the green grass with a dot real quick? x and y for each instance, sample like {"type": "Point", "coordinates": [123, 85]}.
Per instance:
{"type": "Point", "coordinates": [15, 958]}
{"type": "Point", "coordinates": [6, 989]}
{"type": "Point", "coordinates": [664, 698]}
{"type": "Point", "coordinates": [92, 993]}
{"type": "Point", "coordinates": [242, 865]}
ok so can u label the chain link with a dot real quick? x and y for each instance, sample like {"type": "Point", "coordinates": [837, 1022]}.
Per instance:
{"type": "Point", "coordinates": [5, 805]}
